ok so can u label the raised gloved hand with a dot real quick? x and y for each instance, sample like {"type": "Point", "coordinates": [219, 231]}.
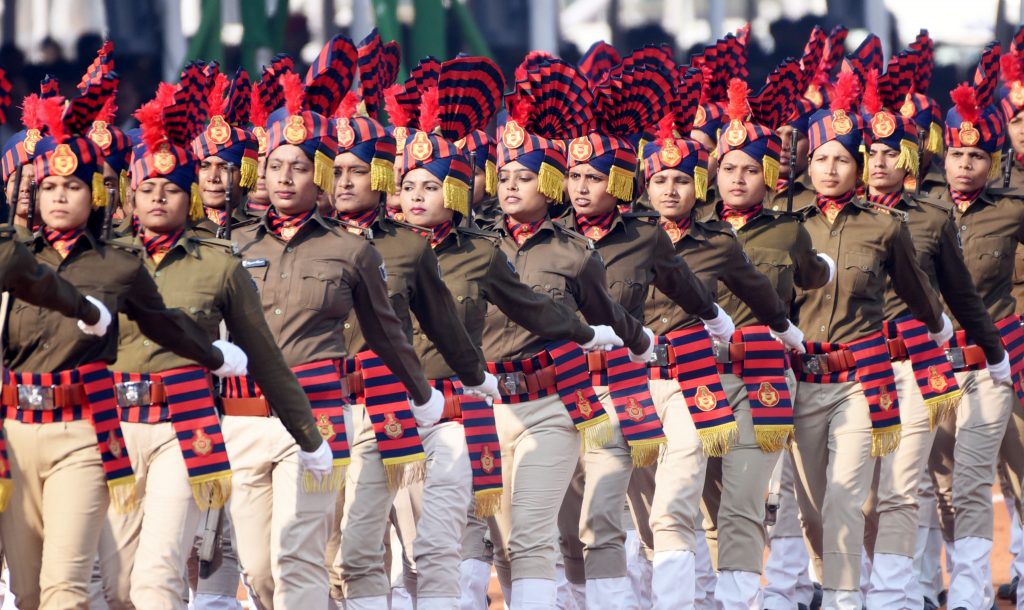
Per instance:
{"type": "Point", "coordinates": [488, 390]}
{"type": "Point", "coordinates": [99, 328]}
{"type": "Point", "coordinates": [792, 338]}
{"type": "Point", "coordinates": [604, 339]}
{"type": "Point", "coordinates": [235, 361]}
{"type": "Point", "coordinates": [428, 413]}
{"type": "Point", "coordinates": [1000, 372]}
{"type": "Point", "coordinates": [318, 463]}
{"type": "Point", "coordinates": [648, 354]}
{"type": "Point", "coordinates": [944, 335]}
{"type": "Point", "coordinates": [721, 326]}
{"type": "Point", "coordinates": [831, 266]}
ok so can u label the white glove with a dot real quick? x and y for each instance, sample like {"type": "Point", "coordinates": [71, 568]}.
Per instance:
{"type": "Point", "coordinates": [831, 266]}
{"type": "Point", "coordinates": [721, 326]}
{"type": "Point", "coordinates": [792, 338]}
{"type": "Point", "coordinates": [235, 361]}
{"type": "Point", "coordinates": [428, 413]}
{"type": "Point", "coordinates": [943, 335]}
{"type": "Point", "coordinates": [648, 354]}
{"type": "Point", "coordinates": [488, 390]}
{"type": "Point", "coordinates": [604, 339]}
{"type": "Point", "coordinates": [100, 327]}
{"type": "Point", "coordinates": [1000, 372]}
{"type": "Point", "coordinates": [318, 463]}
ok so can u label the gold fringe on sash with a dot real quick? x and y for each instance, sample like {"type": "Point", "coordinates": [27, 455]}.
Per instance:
{"type": "Point", "coordinates": [645, 452]}
{"type": "Point", "coordinates": [333, 483]}
{"type": "Point", "coordinates": [382, 176]}
{"type": "Point", "coordinates": [716, 441]}
{"type": "Point", "coordinates": [772, 438]}
{"type": "Point", "coordinates": [249, 173]}
{"type": "Point", "coordinates": [124, 496]}
{"type": "Point", "coordinates": [941, 407]}
{"type": "Point", "coordinates": [552, 182]}
{"type": "Point", "coordinates": [6, 489]}
{"type": "Point", "coordinates": [885, 440]}
{"type": "Point", "coordinates": [211, 491]}
{"type": "Point", "coordinates": [123, 185]}
{"type": "Point", "coordinates": [488, 502]}
{"type": "Point", "coordinates": [405, 470]}
{"type": "Point", "coordinates": [595, 433]}
{"type": "Point", "coordinates": [620, 183]}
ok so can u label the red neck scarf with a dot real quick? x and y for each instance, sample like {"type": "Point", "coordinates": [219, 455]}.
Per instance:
{"type": "Point", "coordinates": [831, 206]}
{"type": "Point", "coordinates": [676, 229]}
{"type": "Point", "coordinates": [63, 241]}
{"type": "Point", "coordinates": [963, 200]}
{"type": "Point", "coordinates": [216, 216]}
{"type": "Point", "coordinates": [361, 219]}
{"type": "Point", "coordinates": [286, 226]}
{"type": "Point", "coordinates": [596, 227]}
{"type": "Point", "coordinates": [887, 199]}
{"type": "Point", "coordinates": [781, 184]}
{"type": "Point", "coordinates": [739, 218]}
{"type": "Point", "coordinates": [1019, 158]}
{"type": "Point", "coordinates": [159, 245]}
{"type": "Point", "coordinates": [257, 208]}
{"type": "Point", "coordinates": [438, 233]}
{"type": "Point", "coordinates": [522, 231]}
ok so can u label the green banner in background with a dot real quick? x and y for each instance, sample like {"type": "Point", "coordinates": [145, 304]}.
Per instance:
{"type": "Point", "coordinates": [205, 44]}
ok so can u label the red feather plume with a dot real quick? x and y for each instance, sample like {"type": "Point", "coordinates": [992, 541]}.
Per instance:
{"type": "Point", "coordinates": [1009, 66]}
{"type": "Point", "coordinates": [31, 117]}
{"type": "Point", "coordinates": [294, 92]}
{"type": "Point", "coordinates": [872, 100]}
{"type": "Point", "coordinates": [666, 128]}
{"type": "Point", "coordinates": [397, 114]}
{"type": "Point", "coordinates": [216, 95]}
{"type": "Point", "coordinates": [347, 107]}
{"type": "Point", "coordinates": [738, 92]}
{"type": "Point", "coordinates": [966, 101]}
{"type": "Point", "coordinates": [430, 110]}
{"type": "Point", "coordinates": [109, 110]}
{"type": "Point", "coordinates": [258, 112]}
{"type": "Point", "coordinates": [151, 116]}
{"type": "Point", "coordinates": [52, 115]}
{"type": "Point", "coordinates": [844, 92]}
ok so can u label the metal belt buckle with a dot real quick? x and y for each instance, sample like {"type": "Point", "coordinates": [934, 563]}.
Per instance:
{"type": "Point", "coordinates": [815, 364]}
{"type": "Point", "coordinates": [955, 355]}
{"type": "Point", "coordinates": [35, 397]}
{"type": "Point", "coordinates": [511, 384]}
{"type": "Point", "coordinates": [661, 355]}
{"type": "Point", "coordinates": [133, 393]}
{"type": "Point", "coordinates": [721, 349]}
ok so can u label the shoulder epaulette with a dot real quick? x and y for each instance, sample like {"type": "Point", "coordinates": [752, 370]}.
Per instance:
{"type": "Point", "coordinates": [125, 243]}
{"type": "Point", "coordinates": [1015, 193]}
{"type": "Point", "coordinates": [225, 244]}
{"type": "Point", "coordinates": [406, 225]}
{"type": "Point", "coordinates": [492, 236]}
{"type": "Point", "coordinates": [351, 227]}
{"type": "Point", "coordinates": [800, 215]}
{"type": "Point", "coordinates": [576, 235]}
{"type": "Point", "coordinates": [649, 216]}
{"type": "Point", "coordinates": [934, 202]}
{"type": "Point", "coordinates": [899, 215]}
{"type": "Point", "coordinates": [247, 222]}
{"type": "Point", "coordinates": [716, 226]}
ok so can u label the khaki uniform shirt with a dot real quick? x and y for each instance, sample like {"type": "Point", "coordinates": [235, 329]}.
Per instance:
{"type": "Point", "coordinates": [803, 195]}
{"type": "Point", "coordinates": [309, 286]}
{"type": "Point", "coordinates": [37, 284]}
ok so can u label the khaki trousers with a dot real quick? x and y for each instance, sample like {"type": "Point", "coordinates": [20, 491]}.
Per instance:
{"type": "Point", "coordinates": [590, 519]}
{"type": "Point", "coordinates": [735, 487]}
{"type": "Point", "coordinates": [679, 478]}
{"type": "Point", "coordinates": [891, 518]}
{"type": "Point", "coordinates": [539, 451]}
{"type": "Point", "coordinates": [476, 538]}
{"type": "Point", "coordinates": [148, 549]}
{"type": "Point", "coordinates": [834, 466]}
{"type": "Point", "coordinates": [971, 442]}
{"type": "Point", "coordinates": [280, 528]}
{"type": "Point", "coordinates": [1011, 455]}
{"type": "Point", "coordinates": [787, 517]}
{"type": "Point", "coordinates": [58, 482]}
{"type": "Point", "coordinates": [360, 559]}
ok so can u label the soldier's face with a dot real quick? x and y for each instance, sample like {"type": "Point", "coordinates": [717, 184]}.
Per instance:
{"type": "Point", "coordinates": [785, 133]}
{"type": "Point", "coordinates": [519, 193]}
{"type": "Point", "coordinates": [290, 180]}
{"type": "Point", "coordinates": [161, 205]}
{"type": "Point", "coordinates": [64, 202]}
{"type": "Point", "coordinates": [479, 186]}
{"type": "Point", "coordinates": [741, 180]}
{"type": "Point", "coordinates": [967, 168]}
{"type": "Point", "coordinates": [422, 198]}
{"type": "Point", "coordinates": [709, 145]}
{"type": "Point", "coordinates": [112, 182]}
{"type": "Point", "coordinates": [28, 174]}
{"type": "Point", "coordinates": [1015, 128]}
{"type": "Point", "coordinates": [259, 193]}
{"type": "Point", "coordinates": [214, 180]}
{"type": "Point", "coordinates": [883, 176]}
{"type": "Point", "coordinates": [833, 170]}
{"type": "Point", "coordinates": [588, 191]}
{"type": "Point", "coordinates": [672, 193]}
{"type": "Point", "coordinates": [352, 192]}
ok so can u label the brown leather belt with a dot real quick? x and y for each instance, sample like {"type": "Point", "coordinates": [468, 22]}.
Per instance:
{"type": "Point", "coordinates": [42, 397]}
{"type": "Point", "coordinates": [140, 393]}
{"type": "Point", "coordinates": [597, 361]}
{"type": "Point", "coordinates": [452, 407]}
{"type": "Point", "coordinates": [965, 357]}
{"type": "Point", "coordinates": [511, 384]}
{"type": "Point", "coordinates": [825, 364]}
{"type": "Point", "coordinates": [352, 383]}
{"type": "Point", "coordinates": [246, 407]}
{"type": "Point", "coordinates": [897, 349]}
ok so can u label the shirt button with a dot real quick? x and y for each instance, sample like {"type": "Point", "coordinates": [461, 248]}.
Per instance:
{"type": "Point", "coordinates": [157, 274]}
{"type": "Point", "coordinates": [547, 286]}
{"type": "Point", "coordinates": [46, 346]}
{"type": "Point", "coordinates": [289, 249]}
{"type": "Point", "coordinates": [963, 228]}
{"type": "Point", "coordinates": [459, 299]}
{"type": "Point", "coordinates": [664, 320]}
{"type": "Point", "coordinates": [823, 328]}
{"type": "Point", "coordinates": [146, 342]}
{"type": "Point", "coordinates": [277, 311]}
{"type": "Point", "coordinates": [347, 326]}
{"type": "Point", "coordinates": [192, 310]}
{"type": "Point", "coordinates": [284, 275]}
{"type": "Point", "coordinates": [828, 297]}
{"type": "Point", "coordinates": [834, 233]}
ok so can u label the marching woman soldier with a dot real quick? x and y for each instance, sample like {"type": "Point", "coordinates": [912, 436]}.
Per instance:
{"type": "Point", "coordinates": [479, 273]}
{"type": "Point", "coordinates": [59, 394]}
{"type": "Point", "coordinates": [892, 153]}
{"type": "Point", "coordinates": [18, 152]}
{"type": "Point", "coordinates": [548, 408]}
{"type": "Point", "coordinates": [311, 274]}
{"type": "Point", "coordinates": [846, 410]}
{"type": "Point", "coordinates": [363, 170]}
{"type": "Point", "coordinates": [991, 224]}
{"type": "Point", "coordinates": [227, 153]}
{"type": "Point", "coordinates": [167, 410]}
{"type": "Point", "coordinates": [756, 379]}
{"type": "Point", "coordinates": [637, 255]}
